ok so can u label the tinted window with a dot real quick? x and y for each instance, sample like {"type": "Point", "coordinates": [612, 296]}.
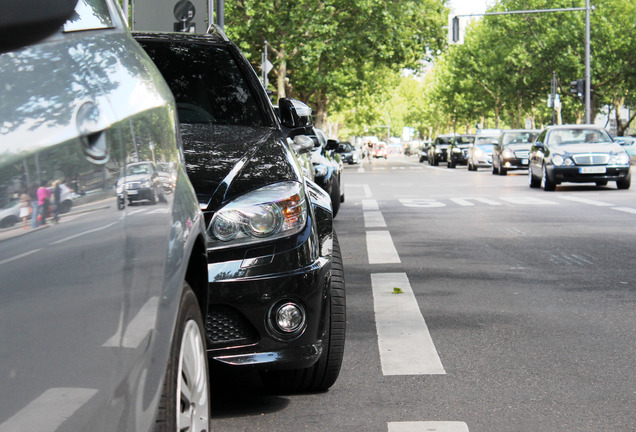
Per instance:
{"type": "Point", "coordinates": [89, 15]}
{"type": "Point", "coordinates": [207, 83]}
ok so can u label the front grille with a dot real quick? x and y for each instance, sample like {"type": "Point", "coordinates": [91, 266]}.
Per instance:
{"type": "Point", "coordinates": [522, 154]}
{"type": "Point", "coordinates": [133, 185]}
{"type": "Point", "coordinates": [591, 159]}
{"type": "Point", "coordinates": [226, 326]}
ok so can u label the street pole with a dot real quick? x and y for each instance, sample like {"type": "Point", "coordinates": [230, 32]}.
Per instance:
{"type": "Point", "coordinates": [588, 78]}
{"type": "Point", "coordinates": [264, 67]}
{"type": "Point", "coordinates": [220, 13]}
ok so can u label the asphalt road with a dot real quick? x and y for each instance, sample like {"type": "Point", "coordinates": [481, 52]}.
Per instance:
{"type": "Point", "coordinates": [515, 310]}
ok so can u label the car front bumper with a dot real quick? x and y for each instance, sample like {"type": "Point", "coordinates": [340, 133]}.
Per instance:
{"type": "Point", "coordinates": [514, 163]}
{"type": "Point", "coordinates": [245, 293]}
{"type": "Point", "coordinates": [559, 174]}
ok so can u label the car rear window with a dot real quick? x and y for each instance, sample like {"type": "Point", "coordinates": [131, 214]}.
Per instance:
{"type": "Point", "coordinates": [207, 83]}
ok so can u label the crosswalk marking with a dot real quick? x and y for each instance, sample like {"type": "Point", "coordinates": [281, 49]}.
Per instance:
{"type": "Point", "coordinates": [625, 209]}
{"type": "Point", "coordinates": [406, 346]}
{"type": "Point", "coordinates": [428, 426]}
{"type": "Point", "coordinates": [466, 202]}
{"type": "Point", "coordinates": [585, 201]}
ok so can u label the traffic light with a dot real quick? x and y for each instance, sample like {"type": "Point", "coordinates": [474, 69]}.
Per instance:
{"type": "Point", "coordinates": [455, 30]}
{"type": "Point", "coordinates": [578, 88]}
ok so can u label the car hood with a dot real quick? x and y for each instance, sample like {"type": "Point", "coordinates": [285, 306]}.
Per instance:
{"type": "Point", "coordinates": [224, 162]}
{"type": "Point", "coordinates": [610, 147]}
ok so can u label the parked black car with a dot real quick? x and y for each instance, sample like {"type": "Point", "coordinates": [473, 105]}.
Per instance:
{"type": "Point", "coordinates": [101, 314]}
{"type": "Point", "coordinates": [577, 154]}
{"type": "Point", "coordinates": [512, 150]}
{"type": "Point", "coordinates": [277, 293]}
{"type": "Point", "coordinates": [457, 151]}
{"type": "Point", "coordinates": [438, 150]}
{"type": "Point", "coordinates": [327, 168]}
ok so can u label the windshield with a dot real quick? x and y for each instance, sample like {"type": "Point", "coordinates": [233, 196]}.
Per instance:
{"type": "Point", "coordinates": [578, 136]}
{"type": "Point", "coordinates": [485, 140]}
{"type": "Point", "coordinates": [519, 138]}
{"type": "Point", "coordinates": [465, 140]}
{"type": "Point", "coordinates": [207, 83]}
{"type": "Point", "coordinates": [444, 140]}
{"type": "Point", "coordinates": [138, 169]}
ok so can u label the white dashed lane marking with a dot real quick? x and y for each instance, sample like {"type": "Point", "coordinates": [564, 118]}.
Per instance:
{"type": "Point", "coordinates": [406, 346]}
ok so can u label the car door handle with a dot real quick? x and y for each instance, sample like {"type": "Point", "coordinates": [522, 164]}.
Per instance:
{"type": "Point", "coordinates": [92, 133]}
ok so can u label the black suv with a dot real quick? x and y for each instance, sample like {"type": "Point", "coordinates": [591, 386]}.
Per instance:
{"type": "Point", "coordinates": [438, 150]}
{"type": "Point", "coordinates": [277, 293]}
{"type": "Point", "coordinates": [457, 152]}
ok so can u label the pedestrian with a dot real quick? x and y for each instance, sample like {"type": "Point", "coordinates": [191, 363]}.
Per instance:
{"type": "Point", "coordinates": [25, 207]}
{"type": "Point", "coordinates": [44, 203]}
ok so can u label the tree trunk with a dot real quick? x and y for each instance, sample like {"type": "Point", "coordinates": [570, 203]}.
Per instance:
{"type": "Point", "coordinates": [281, 75]}
{"type": "Point", "coordinates": [321, 109]}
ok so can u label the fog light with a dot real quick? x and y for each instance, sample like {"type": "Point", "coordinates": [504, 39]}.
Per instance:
{"type": "Point", "coordinates": [289, 317]}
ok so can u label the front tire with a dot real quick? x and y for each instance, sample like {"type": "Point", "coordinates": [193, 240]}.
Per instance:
{"type": "Point", "coordinates": [548, 185]}
{"type": "Point", "coordinates": [335, 196]}
{"type": "Point", "coordinates": [324, 373]}
{"type": "Point", "coordinates": [533, 182]}
{"type": "Point", "coordinates": [624, 183]}
{"type": "Point", "coordinates": [185, 400]}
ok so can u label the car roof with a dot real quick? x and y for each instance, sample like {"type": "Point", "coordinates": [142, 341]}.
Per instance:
{"type": "Point", "coordinates": [215, 35]}
{"type": "Point", "coordinates": [575, 126]}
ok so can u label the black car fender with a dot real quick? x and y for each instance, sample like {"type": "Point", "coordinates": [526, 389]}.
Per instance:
{"type": "Point", "coordinates": [321, 206]}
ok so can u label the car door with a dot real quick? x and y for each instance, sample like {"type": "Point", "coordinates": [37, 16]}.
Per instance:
{"type": "Point", "coordinates": [80, 296]}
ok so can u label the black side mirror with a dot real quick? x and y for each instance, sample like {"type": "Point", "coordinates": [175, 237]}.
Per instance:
{"type": "Point", "coordinates": [332, 145]}
{"type": "Point", "coordinates": [294, 113]}
{"type": "Point", "coordinates": [302, 144]}
{"type": "Point", "coordinates": [27, 21]}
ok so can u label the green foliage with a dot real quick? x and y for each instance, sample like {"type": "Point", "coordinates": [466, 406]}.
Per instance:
{"type": "Point", "coordinates": [505, 67]}
{"type": "Point", "coordinates": [328, 50]}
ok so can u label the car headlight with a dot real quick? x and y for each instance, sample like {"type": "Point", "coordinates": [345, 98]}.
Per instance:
{"type": "Point", "coordinates": [619, 159]}
{"type": "Point", "coordinates": [561, 160]}
{"type": "Point", "coordinates": [145, 184]}
{"type": "Point", "coordinates": [271, 212]}
{"type": "Point", "coordinates": [456, 150]}
{"type": "Point", "coordinates": [321, 170]}
{"type": "Point", "coordinates": [479, 153]}
{"type": "Point", "coordinates": [508, 154]}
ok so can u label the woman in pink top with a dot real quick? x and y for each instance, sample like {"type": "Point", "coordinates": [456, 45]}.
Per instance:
{"type": "Point", "coordinates": [44, 198]}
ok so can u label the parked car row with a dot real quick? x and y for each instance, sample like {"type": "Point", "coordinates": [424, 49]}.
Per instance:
{"type": "Point", "coordinates": [236, 262]}
{"type": "Point", "coordinates": [555, 155]}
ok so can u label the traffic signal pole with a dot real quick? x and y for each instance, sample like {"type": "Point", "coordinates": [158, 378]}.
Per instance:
{"type": "Point", "coordinates": [588, 75]}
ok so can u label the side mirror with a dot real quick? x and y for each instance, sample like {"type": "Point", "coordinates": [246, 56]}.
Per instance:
{"type": "Point", "coordinates": [302, 144]}
{"type": "Point", "coordinates": [28, 21]}
{"type": "Point", "coordinates": [332, 145]}
{"type": "Point", "coordinates": [294, 113]}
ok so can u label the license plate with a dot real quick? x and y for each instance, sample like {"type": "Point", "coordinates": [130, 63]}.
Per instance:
{"type": "Point", "coordinates": [593, 170]}
{"type": "Point", "coordinates": [132, 192]}
{"type": "Point", "coordinates": [524, 161]}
